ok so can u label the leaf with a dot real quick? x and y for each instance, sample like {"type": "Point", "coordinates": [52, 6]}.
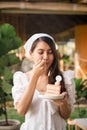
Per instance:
{"type": "Point", "coordinates": [1, 92]}
{"type": "Point", "coordinates": [78, 85]}
{"type": "Point", "coordinates": [7, 74]}
{"type": "Point", "coordinates": [6, 86]}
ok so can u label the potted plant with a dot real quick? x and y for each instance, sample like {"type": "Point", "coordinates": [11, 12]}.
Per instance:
{"type": "Point", "coordinates": [9, 41]}
{"type": "Point", "coordinates": [81, 93]}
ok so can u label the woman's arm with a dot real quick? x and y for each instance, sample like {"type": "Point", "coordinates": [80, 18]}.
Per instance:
{"type": "Point", "coordinates": [24, 104]}
{"type": "Point", "coordinates": [26, 99]}
{"type": "Point", "coordinates": [64, 106]}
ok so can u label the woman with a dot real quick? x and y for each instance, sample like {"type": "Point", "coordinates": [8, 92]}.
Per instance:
{"type": "Point", "coordinates": [42, 114]}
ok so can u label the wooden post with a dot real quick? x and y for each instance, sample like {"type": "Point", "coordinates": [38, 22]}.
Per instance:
{"type": "Point", "coordinates": [81, 46]}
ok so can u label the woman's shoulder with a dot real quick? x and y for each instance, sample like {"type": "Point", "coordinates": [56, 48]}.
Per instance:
{"type": "Point", "coordinates": [68, 76]}
{"type": "Point", "coordinates": [18, 74]}
{"type": "Point", "coordinates": [20, 77]}
{"type": "Point", "coordinates": [70, 73]}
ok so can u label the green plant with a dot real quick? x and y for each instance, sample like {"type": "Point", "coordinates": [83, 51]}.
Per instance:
{"type": "Point", "coordinates": [81, 93]}
{"type": "Point", "coordinates": [12, 114]}
{"type": "Point", "coordinates": [9, 41]}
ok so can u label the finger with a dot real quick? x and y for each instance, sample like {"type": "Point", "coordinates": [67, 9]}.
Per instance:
{"type": "Point", "coordinates": [42, 63]}
{"type": "Point", "coordinates": [64, 94]}
{"type": "Point", "coordinates": [38, 62]}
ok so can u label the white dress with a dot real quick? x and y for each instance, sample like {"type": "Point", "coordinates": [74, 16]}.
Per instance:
{"type": "Point", "coordinates": [42, 114]}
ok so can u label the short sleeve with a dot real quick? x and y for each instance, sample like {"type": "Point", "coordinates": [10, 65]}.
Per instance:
{"type": "Point", "coordinates": [19, 84]}
{"type": "Point", "coordinates": [70, 86]}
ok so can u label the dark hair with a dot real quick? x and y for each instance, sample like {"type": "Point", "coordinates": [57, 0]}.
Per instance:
{"type": "Point", "coordinates": [54, 68]}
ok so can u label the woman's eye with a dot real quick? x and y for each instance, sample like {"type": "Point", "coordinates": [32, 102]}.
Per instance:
{"type": "Point", "coordinates": [40, 52]}
{"type": "Point", "coordinates": [50, 52]}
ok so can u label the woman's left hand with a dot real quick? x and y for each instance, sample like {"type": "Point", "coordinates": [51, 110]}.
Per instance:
{"type": "Point", "coordinates": [61, 101]}
{"type": "Point", "coordinates": [64, 106]}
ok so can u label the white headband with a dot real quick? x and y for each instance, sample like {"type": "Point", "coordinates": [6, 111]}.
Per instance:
{"type": "Point", "coordinates": [31, 40]}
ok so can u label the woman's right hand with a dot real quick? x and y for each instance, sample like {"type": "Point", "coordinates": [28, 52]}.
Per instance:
{"type": "Point", "coordinates": [39, 68]}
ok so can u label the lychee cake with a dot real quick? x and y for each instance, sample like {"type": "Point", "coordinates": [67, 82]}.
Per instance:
{"type": "Point", "coordinates": [54, 89]}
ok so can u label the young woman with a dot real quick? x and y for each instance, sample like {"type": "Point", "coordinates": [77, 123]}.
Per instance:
{"type": "Point", "coordinates": [42, 114]}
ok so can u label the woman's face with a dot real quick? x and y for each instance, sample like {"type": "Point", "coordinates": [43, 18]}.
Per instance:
{"type": "Point", "coordinates": [42, 51]}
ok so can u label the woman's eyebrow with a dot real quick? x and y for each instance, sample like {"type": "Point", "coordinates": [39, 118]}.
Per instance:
{"type": "Point", "coordinates": [40, 49]}
{"type": "Point", "coordinates": [43, 49]}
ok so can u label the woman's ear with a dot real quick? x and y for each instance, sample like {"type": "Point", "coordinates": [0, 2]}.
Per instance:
{"type": "Point", "coordinates": [30, 55]}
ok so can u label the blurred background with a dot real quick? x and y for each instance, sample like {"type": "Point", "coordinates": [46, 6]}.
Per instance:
{"type": "Point", "coordinates": [65, 20]}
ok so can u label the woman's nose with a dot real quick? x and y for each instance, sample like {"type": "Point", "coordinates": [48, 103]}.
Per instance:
{"type": "Point", "coordinates": [45, 56]}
